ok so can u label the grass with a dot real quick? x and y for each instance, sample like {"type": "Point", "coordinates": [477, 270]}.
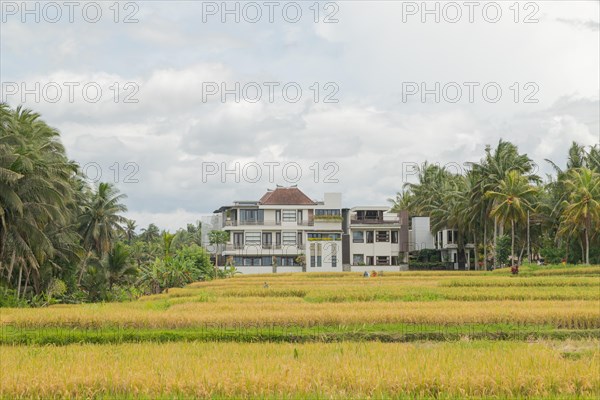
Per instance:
{"type": "Point", "coordinates": [442, 335]}
{"type": "Point", "coordinates": [319, 370]}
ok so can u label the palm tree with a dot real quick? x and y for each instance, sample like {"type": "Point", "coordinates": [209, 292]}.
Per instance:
{"type": "Point", "coordinates": [150, 233]}
{"type": "Point", "coordinates": [36, 193]}
{"type": "Point", "coordinates": [511, 202]}
{"type": "Point", "coordinates": [130, 230]}
{"type": "Point", "coordinates": [117, 265]}
{"type": "Point", "coordinates": [582, 210]}
{"type": "Point", "coordinates": [100, 221]}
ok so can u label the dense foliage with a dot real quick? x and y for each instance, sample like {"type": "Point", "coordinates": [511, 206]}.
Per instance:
{"type": "Point", "coordinates": [558, 217]}
{"type": "Point", "coordinates": [64, 240]}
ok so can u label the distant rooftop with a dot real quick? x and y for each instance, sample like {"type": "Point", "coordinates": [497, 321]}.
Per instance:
{"type": "Point", "coordinates": [286, 196]}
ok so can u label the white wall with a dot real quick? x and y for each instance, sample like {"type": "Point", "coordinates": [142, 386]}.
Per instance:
{"type": "Point", "coordinates": [332, 201]}
{"type": "Point", "coordinates": [388, 268]}
{"type": "Point", "coordinates": [421, 237]}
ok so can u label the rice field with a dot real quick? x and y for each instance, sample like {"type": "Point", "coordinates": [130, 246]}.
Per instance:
{"type": "Point", "coordinates": [327, 336]}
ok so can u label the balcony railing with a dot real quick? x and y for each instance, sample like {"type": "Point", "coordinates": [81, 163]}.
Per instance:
{"type": "Point", "coordinates": [374, 221]}
{"type": "Point", "coordinates": [254, 247]}
{"type": "Point", "coordinates": [251, 222]}
{"type": "Point", "coordinates": [266, 223]}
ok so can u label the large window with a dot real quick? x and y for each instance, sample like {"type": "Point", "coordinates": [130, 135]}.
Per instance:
{"type": "Point", "coordinates": [324, 236]}
{"type": "Point", "coordinates": [267, 239]}
{"type": "Point", "coordinates": [358, 237]}
{"type": "Point", "coordinates": [315, 255]}
{"type": "Point", "coordinates": [370, 260]}
{"type": "Point", "coordinates": [289, 238]}
{"type": "Point", "coordinates": [238, 239]}
{"type": "Point", "coordinates": [370, 235]}
{"type": "Point", "coordinates": [395, 235]}
{"type": "Point", "coordinates": [252, 261]}
{"type": "Point", "coordinates": [286, 261]}
{"type": "Point", "coordinates": [358, 259]}
{"type": "Point", "coordinates": [327, 212]}
{"type": "Point", "coordinates": [383, 236]}
{"type": "Point", "coordinates": [383, 260]}
{"type": "Point", "coordinates": [289, 215]}
{"type": "Point", "coordinates": [333, 255]}
{"type": "Point", "coordinates": [249, 217]}
{"type": "Point", "coordinates": [252, 238]}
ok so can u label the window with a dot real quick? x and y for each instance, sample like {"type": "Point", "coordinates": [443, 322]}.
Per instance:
{"type": "Point", "coordinates": [289, 238]}
{"type": "Point", "coordinates": [253, 261]}
{"type": "Point", "coordinates": [369, 236]}
{"type": "Point", "coordinates": [327, 212]}
{"type": "Point", "coordinates": [358, 237]}
{"type": "Point", "coordinates": [450, 237]}
{"type": "Point", "coordinates": [358, 259]}
{"type": "Point", "coordinates": [315, 255]}
{"type": "Point", "coordinates": [250, 217]}
{"type": "Point", "coordinates": [383, 236]}
{"type": "Point", "coordinates": [277, 238]}
{"type": "Point", "coordinates": [289, 216]}
{"type": "Point", "coordinates": [238, 239]}
{"type": "Point", "coordinates": [299, 215]}
{"type": "Point", "coordinates": [267, 260]}
{"type": "Point", "coordinates": [278, 217]}
{"type": "Point", "coordinates": [383, 260]}
{"type": "Point", "coordinates": [252, 238]}
{"type": "Point", "coordinates": [285, 261]}
{"type": "Point", "coordinates": [299, 238]}
{"type": "Point", "coordinates": [333, 255]}
{"type": "Point", "coordinates": [395, 236]}
{"type": "Point", "coordinates": [370, 260]}
{"type": "Point", "coordinates": [395, 260]}
{"type": "Point", "coordinates": [323, 236]}
{"type": "Point", "coordinates": [267, 239]}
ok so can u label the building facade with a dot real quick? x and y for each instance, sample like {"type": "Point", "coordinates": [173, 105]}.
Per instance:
{"type": "Point", "coordinates": [286, 231]}
{"type": "Point", "coordinates": [375, 237]}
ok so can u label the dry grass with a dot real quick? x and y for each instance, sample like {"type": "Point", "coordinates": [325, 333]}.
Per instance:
{"type": "Point", "coordinates": [333, 299]}
{"type": "Point", "coordinates": [296, 311]}
{"type": "Point", "coordinates": [332, 371]}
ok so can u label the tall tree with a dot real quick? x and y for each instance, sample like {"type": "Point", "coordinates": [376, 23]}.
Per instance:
{"type": "Point", "coordinates": [582, 209]}
{"type": "Point", "coordinates": [512, 200]}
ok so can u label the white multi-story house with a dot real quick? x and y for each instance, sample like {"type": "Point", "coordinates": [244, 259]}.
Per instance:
{"type": "Point", "coordinates": [286, 231]}
{"type": "Point", "coordinates": [375, 237]}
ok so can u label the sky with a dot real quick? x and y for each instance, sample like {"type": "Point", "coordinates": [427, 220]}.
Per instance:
{"type": "Point", "coordinates": [187, 105]}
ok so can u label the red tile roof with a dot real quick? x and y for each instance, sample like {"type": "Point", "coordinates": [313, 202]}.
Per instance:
{"type": "Point", "coordinates": [285, 196]}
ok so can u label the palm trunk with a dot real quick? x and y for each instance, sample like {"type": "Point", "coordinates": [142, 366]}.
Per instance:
{"type": "Point", "coordinates": [216, 261]}
{"type": "Point", "coordinates": [26, 283]}
{"type": "Point", "coordinates": [495, 240]}
{"type": "Point", "coordinates": [512, 246]}
{"type": "Point", "coordinates": [587, 247]}
{"type": "Point", "coordinates": [476, 255]}
{"type": "Point", "coordinates": [12, 264]}
{"type": "Point", "coordinates": [82, 267]}
{"type": "Point", "coordinates": [20, 278]}
{"type": "Point", "coordinates": [485, 244]}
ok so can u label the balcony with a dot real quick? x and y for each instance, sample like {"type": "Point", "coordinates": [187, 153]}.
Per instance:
{"type": "Point", "coordinates": [251, 223]}
{"type": "Point", "coordinates": [253, 248]}
{"type": "Point", "coordinates": [375, 221]}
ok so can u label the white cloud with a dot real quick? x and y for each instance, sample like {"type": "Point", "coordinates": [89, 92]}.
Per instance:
{"type": "Point", "coordinates": [369, 133]}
